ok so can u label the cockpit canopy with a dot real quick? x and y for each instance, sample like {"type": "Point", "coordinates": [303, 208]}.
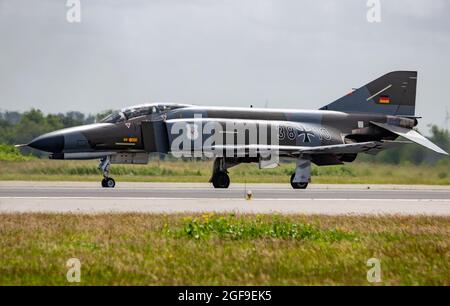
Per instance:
{"type": "Point", "coordinates": [141, 110]}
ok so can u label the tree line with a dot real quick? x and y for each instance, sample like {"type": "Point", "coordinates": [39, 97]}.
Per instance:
{"type": "Point", "coordinates": [18, 128]}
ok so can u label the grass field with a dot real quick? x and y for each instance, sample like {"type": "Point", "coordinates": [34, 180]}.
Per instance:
{"type": "Point", "coordinates": [223, 249]}
{"type": "Point", "coordinates": [200, 171]}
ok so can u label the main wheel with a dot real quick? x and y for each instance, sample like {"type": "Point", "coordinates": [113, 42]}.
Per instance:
{"type": "Point", "coordinates": [221, 180]}
{"type": "Point", "coordinates": [108, 182]}
{"type": "Point", "coordinates": [297, 185]}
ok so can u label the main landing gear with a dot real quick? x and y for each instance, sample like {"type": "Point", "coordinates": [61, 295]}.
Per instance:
{"type": "Point", "coordinates": [107, 182]}
{"type": "Point", "coordinates": [220, 178]}
{"type": "Point", "coordinates": [302, 175]}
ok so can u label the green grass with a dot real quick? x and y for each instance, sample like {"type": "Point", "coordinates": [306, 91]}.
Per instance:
{"type": "Point", "coordinates": [211, 249]}
{"type": "Point", "coordinates": [12, 154]}
{"type": "Point", "coordinates": [230, 227]}
{"type": "Point", "coordinates": [200, 171]}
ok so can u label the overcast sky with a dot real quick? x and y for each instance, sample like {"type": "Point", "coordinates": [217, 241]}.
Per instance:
{"type": "Point", "coordinates": [289, 54]}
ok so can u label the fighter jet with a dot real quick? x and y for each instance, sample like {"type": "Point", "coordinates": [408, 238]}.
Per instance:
{"type": "Point", "coordinates": [367, 120]}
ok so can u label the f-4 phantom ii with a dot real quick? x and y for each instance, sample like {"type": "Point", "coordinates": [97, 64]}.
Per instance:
{"type": "Point", "coordinates": [367, 120]}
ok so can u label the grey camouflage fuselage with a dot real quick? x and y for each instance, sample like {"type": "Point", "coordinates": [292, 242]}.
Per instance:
{"type": "Point", "coordinates": [367, 120]}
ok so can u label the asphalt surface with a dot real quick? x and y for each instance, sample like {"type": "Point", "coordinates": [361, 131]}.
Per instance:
{"type": "Point", "coordinates": [232, 193]}
{"type": "Point", "coordinates": [266, 198]}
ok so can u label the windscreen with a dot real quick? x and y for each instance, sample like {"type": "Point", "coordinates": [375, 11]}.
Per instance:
{"type": "Point", "coordinates": [114, 118]}
{"type": "Point", "coordinates": [139, 111]}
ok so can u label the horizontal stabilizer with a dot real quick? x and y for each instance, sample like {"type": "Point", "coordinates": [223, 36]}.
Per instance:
{"type": "Point", "coordinates": [411, 135]}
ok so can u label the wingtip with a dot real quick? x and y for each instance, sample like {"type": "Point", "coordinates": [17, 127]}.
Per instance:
{"type": "Point", "coordinates": [20, 145]}
{"type": "Point", "coordinates": [440, 151]}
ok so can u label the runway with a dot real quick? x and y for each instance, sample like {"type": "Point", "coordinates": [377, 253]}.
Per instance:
{"type": "Point", "coordinates": [81, 197]}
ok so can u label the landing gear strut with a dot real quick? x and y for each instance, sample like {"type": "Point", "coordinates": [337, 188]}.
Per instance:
{"type": "Point", "coordinates": [107, 182]}
{"type": "Point", "coordinates": [302, 175]}
{"type": "Point", "coordinates": [220, 178]}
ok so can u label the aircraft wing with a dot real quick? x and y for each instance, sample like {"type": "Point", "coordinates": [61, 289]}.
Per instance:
{"type": "Point", "coordinates": [411, 135]}
{"type": "Point", "coordinates": [297, 150]}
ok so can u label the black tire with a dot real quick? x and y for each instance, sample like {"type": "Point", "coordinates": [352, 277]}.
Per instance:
{"type": "Point", "coordinates": [221, 180]}
{"type": "Point", "coordinates": [297, 185]}
{"type": "Point", "coordinates": [108, 182]}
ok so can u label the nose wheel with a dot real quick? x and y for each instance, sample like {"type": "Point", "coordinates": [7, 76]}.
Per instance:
{"type": "Point", "coordinates": [107, 182]}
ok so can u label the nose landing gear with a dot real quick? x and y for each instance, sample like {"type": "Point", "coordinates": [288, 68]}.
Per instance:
{"type": "Point", "coordinates": [107, 182]}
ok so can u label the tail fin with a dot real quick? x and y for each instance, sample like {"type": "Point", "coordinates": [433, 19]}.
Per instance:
{"type": "Point", "coordinates": [392, 94]}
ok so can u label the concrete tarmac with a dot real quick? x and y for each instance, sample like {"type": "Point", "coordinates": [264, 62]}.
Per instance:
{"type": "Point", "coordinates": [82, 197]}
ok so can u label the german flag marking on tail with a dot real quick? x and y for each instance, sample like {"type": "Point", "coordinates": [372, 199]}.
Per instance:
{"type": "Point", "coordinates": [384, 100]}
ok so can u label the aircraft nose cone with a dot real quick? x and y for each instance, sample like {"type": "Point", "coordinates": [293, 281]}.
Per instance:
{"type": "Point", "coordinates": [48, 143]}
